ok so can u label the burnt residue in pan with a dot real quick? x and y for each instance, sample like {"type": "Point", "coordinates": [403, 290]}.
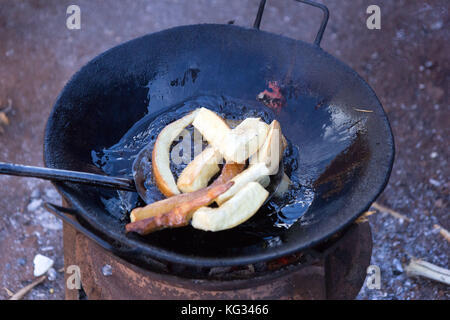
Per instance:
{"type": "Point", "coordinates": [342, 169]}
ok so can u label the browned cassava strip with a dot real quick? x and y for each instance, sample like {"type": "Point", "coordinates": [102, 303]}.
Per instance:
{"type": "Point", "coordinates": [181, 215]}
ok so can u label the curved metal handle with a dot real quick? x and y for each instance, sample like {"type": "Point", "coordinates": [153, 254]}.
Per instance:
{"type": "Point", "coordinates": [61, 212]}
{"type": "Point", "coordinates": [323, 25]}
{"type": "Point", "coordinates": [67, 175]}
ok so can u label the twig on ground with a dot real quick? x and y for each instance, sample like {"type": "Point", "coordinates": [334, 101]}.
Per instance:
{"type": "Point", "coordinates": [418, 267]}
{"type": "Point", "coordinates": [22, 292]}
{"type": "Point", "coordinates": [363, 110]}
{"type": "Point", "coordinates": [8, 292]}
{"type": "Point", "coordinates": [363, 217]}
{"type": "Point", "coordinates": [444, 232]}
{"type": "Point", "coordinates": [393, 213]}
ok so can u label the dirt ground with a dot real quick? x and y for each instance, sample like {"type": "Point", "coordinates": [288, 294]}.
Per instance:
{"type": "Point", "coordinates": [406, 63]}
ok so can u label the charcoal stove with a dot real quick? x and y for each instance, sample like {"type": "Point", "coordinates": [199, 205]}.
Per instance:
{"type": "Point", "coordinates": [333, 270]}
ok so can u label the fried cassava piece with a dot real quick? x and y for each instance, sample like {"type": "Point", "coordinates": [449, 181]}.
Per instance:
{"type": "Point", "coordinates": [181, 215]}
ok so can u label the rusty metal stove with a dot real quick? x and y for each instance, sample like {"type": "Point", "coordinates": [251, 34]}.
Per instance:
{"type": "Point", "coordinates": [333, 270]}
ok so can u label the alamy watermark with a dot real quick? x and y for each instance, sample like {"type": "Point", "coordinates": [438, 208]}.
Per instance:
{"type": "Point", "coordinates": [374, 20]}
{"type": "Point", "coordinates": [373, 280]}
{"type": "Point", "coordinates": [73, 21]}
{"type": "Point", "coordinates": [74, 279]}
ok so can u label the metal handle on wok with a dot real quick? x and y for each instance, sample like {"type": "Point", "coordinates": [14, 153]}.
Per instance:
{"type": "Point", "coordinates": [323, 25]}
{"type": "Point", "coordinates": [61, 212]}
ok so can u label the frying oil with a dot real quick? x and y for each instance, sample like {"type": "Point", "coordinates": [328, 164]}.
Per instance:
{"type": "Point", "coordinates": [279, 214]}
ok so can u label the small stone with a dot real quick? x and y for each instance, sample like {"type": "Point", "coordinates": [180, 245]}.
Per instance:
{"type": "Point", "coordinates": [429, 64]}
{"type": "Point", "coordinates": [398, 266]}
{"type": "Point", "coordinates": [433, 155]}
{"type": "Point", "coordinates": [35, 194]}
{"type": "Point", "coordinates": [51, 194]}
{"type": "Point", "coordinates": [41, 264]}
{"type": "Point", "coordinates": [437, 25]}
{"type": "Point", "coordinates": [400, 34]}
{"type": "Point", "coordinates": [48, 221]}
{"type": "Point", "coordinates": [421, 86]}
{"type": "Point", "coordinates": [22, 261]}
{"type": "Point", "coordinates": [107, 270]}
{"type": "Point", "coordinates": [34, 205]}
{"type": "Point", "coordinates": [434, 182]}
{"type": "Point", "coordinates": [51, 290]}
{"type": "Point", "coordinates": [421, 68]}
{"type": "Point", "coordinates": [52, 274]}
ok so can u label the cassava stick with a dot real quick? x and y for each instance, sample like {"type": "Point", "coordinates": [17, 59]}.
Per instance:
{"type": "Point", "coordinates": [181, 215]}
{"type": "Point", "coordinates": [229, 171]}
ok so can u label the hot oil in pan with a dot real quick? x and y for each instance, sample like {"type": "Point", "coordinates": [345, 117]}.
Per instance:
{"type": "Point", "coordinates": [270, 221]}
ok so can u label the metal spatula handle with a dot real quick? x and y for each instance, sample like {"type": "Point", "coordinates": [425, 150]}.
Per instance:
{"type": "Point", "coordinates": [67, 176]}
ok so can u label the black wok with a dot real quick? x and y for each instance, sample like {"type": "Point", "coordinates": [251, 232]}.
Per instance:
{"type": "Point", "coordinates": [332, 115]}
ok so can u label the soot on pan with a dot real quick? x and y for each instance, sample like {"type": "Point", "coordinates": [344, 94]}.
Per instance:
{"type": "Point", "coordinates": [279, 213]}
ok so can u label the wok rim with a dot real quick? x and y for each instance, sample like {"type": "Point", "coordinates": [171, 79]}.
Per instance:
{"type": "Point", "coordinates": [249, 258]}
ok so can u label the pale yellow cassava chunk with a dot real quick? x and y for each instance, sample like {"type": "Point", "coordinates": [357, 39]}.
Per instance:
{"type": "Point", "coordinates": [244, 140]}
{"type": "Point", "coordinates": [254, 173]}
{"type": "Point", "coordinates": [212, 127]}
{"type": "Point", "coordinates": [160, 156]}
{"type": "Point", "coordinates": [241, 207]}
{"type": "Point", "coordinates": [262, 164]}
{"type": "Point", "coordinates": [199, 171]}
{"type": "Point", "coordinates": [235, 145]}
{"type": "Point", "coordinates": [205, 165]}
{"type": "Point", "coordinates": [272, 150]}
